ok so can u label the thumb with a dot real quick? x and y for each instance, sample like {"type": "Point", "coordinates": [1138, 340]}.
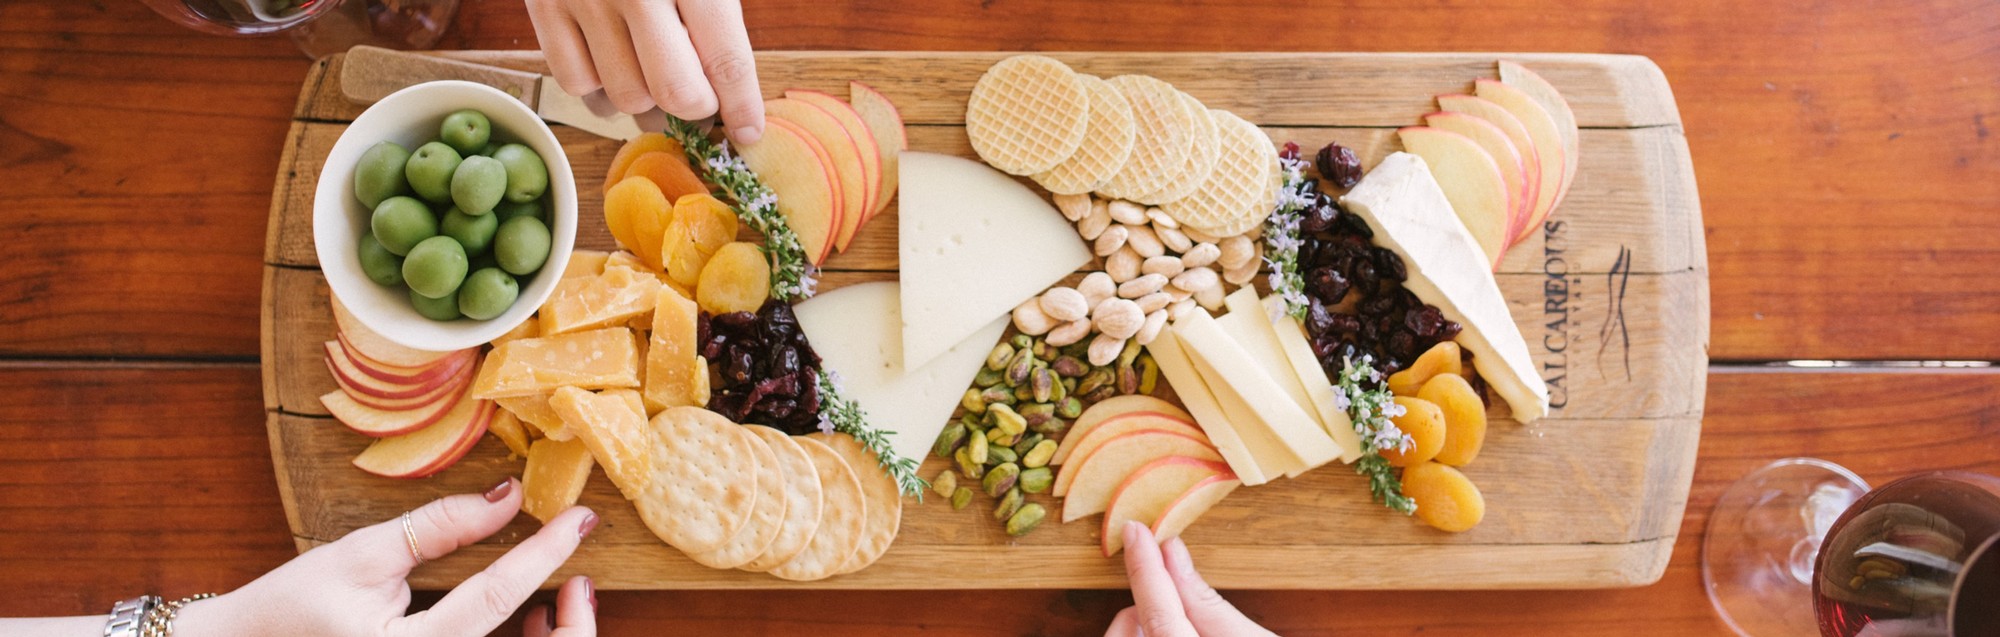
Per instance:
{"type": "Point", "coordinates": [391, 549]}
{"type": "Point", "coordinates": [1206, 609]}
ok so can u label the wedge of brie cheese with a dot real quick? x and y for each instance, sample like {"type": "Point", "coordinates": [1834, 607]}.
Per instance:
{"type": "Point", "coordinates": [1403, 204]}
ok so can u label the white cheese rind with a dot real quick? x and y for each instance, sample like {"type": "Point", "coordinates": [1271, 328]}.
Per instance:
{"type": "Point", "coordinates": [973, 244]}
{"type": "Point", "coordinates": [1403, 204]}
{"type": "Point", "coordinates": [1292, 339]}
{"type": "Point", "coordinates": [856, 329]}
{"type": "Point", "coordinates": [1202, 404]}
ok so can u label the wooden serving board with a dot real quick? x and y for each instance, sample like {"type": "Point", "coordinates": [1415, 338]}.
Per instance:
{"type": "Point", "coordinates": [1612, 297]}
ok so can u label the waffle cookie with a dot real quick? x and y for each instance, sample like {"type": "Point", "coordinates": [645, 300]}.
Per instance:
{"type": "Point", "coordinates": [1242, 187]}
{"type": "Point", "coordinates": [1163, 123]}
{"type": "Point", "coordinates": [1027, 114]}
{"type": "Point", "coordinates": [1200, 159]}
{"type": "Point", "coordinates": [1107, 143]}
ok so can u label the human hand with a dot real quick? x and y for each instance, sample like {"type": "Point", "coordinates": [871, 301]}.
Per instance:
{"type": "Point", "coordinates": [689, 57]}
{"type": "Point", "coordinates": [1169, 598]}
{"type": "Point", "coordinates": [356, 586]}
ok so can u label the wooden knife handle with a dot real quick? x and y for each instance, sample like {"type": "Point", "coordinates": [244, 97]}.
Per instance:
{"type": "Point", "coordinates": [370, 73]}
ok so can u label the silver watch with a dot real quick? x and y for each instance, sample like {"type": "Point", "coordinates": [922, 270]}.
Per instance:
{"type": "Point", "coordinates": [126, 616]}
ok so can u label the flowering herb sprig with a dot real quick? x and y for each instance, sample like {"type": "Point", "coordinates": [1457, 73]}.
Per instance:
{"type": "Point", "coordinates": [839, 413]}
{"type": "Point", "coordinates": [793, 275]}
{"type": "Point", "coordinates": [1281, 231]}
{"type": "Point", "coordinates": [1371, 409]}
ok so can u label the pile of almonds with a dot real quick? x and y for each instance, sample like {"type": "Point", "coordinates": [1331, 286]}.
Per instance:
{"type": "Point", "coordinates": [1155, 270]}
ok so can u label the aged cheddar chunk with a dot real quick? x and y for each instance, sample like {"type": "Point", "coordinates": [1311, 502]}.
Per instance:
{"type": "Point", "coordinates": [534, 411]}
{"type": "Point", "coordinates": [676, 376]}
{"type": "Point", "coordinates": [565, 288]}
{"type": "Point", "coordinates": [527, 329]}
{"type": "Point", "coordinates": [597, 359]}
{"type": "Point", "coordinates": [554, 479]}
{"type": "Point", "coordinates": [585, 263]}
{"type": "Point", "coordinates": [610, 299]}
{"type": "Point", "coordinates": [612, 424]}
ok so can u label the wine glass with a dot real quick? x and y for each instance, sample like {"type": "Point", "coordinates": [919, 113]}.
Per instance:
{"type": "Point", "coordinates": [320, 27]}
{"type": "Point", "coordinates": [1803, 547]}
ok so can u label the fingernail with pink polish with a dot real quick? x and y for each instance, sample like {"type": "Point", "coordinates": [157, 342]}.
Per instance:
{"type": "Point", "coordinates": [589, 524]}
{"type": "Point", "coordinates": [549, 613]}
{"type": "Point", "coordinates": [499, 491]}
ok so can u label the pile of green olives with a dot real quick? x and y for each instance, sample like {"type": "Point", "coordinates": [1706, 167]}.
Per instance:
{"type": "Point", "coordinates": [457, 221]}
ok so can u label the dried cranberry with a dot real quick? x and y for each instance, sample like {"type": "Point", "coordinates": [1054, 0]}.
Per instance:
{"type": "Point", "coordinates": [1339, 165]}
{"type": "Point", "coordinates": [1291, 151]}
{"type": "Point", "coordinates": [1390, 266]}
{"type": "Point", "coordinates": [1424, 321]}
{"type": "Point", "coordinates": [779, 408]}
{"type": "Point", "coordinates": [1345, 323]}
{"type": "Point", "coordinates": [1356, 226]}
{"type": "Point", "coordinates": [1318, 319]}
{"type": "Point", "coordinates": [1328, 285]}
{"type": "Point", "coordinates": [1320, 217]}
{"type": "Point", "coordinates": [736, 320]}
{"type": "Point", "coordinates": [1449, 330]}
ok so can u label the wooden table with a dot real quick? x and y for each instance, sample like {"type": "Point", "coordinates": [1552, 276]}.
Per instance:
{"type": "Point", "coordinates": [1843, 153]}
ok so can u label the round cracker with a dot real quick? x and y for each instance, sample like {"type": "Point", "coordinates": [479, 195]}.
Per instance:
{"type": "Point", "coordinates": [1204, 146]}
{"type": "Point", "coordinates": [802, 500]}
{"type": "Point", "coordinates": [885, 500]}
{"type": "Point", "coordinates": [841, 517]}
{"type": "Point", "coordinates": [1027, 114]}
{"type": "Point", "coordinates": [1162, 123]}
{"type": "Point", "coordinates": [1107, 143]}
{"type": "Point", "coordinates": [765, 518]}
{"type": "Point", "coordinates": [1241, 191]}
{"type": "Point", "coordinates": [704, 483]}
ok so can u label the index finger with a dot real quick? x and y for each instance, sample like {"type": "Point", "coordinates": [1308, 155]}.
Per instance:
{"type": "Point", "coordinates": [1153, 592]}
{"type": "Point", "coordinates": [722, 43]}
{"type": "Point", "coordinates": [484, 601]}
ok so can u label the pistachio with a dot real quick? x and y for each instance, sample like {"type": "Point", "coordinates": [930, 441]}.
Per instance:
{"type": "Point", "coordinates": [1052, 427]}
{"type": "Point", "coordinates": [972, 402]}
{"type": "Point", "coordinates": [1070, 407]}
{"type": "Point", "coordinates": [997, 455]}
{"type": "Point", "coordinates": [1128, 380]}
{"type": "Point", "coordinates": [1069, 367]}
{"type": "Point", "coordinates": [1174, 239]}
{"type": "Point", "coordinates": [1064, 304]}
{"type": "Point", "coordinates": [1057, 389]}
{"type": "Point", "coordinates": [1027, 444]}
{"type": "Point", "coordinates": [1144, 285]}
{"type": "Point", "coordinates": [1155, 321]}
{"type": "Point", "coordinates": [1008, 420]}
{"type": "Point", "coordinates": [1092, 225]}
{"type": "Point", "coordinates": [987, 377]}
{"type": "Point", "coordinates": [1044, 351]}
{"type": "Point", "coordinates": [1017, 369]}
{"type": "Point", "coordinates": [1163, 265]}
{"type": "Point", "coordinates": [1105, 348]}
{"type": "Point", "coordinates": [945, 483]}
{"type": "Point", "coordinates": [1038, 456]}
{"type": "Point", "coordinates": [1123, 265]}
{"type": "Point", "coordinates": [1001, 478]}
{"type": "Point", "coordinates": [1098, 377]}
{"type": "Point", "coordinates": [1102, 393]}
{"type": "Point", "coordinates": [1073, 207]}
{"type": "Point", "coordinates": [1070, 332]}
{"type": "Point", "coordinates": [1199, 235]}
{"type": "Point", "coordinates": [960, 498]}
{"type": "Point", "coordinates": [1001, 394]}
{"type": "Point", "coordinates": [1117, 319]}
{"type": "Point", "coordinates": [1069, 384]}
{"type": "Point", "coordinates": [971, 469]}
{"type": "Point", "coordinates": [1126, 212]}
{"type": "Point", "coordinates": [1030, 319]}
{"type": "Point", "coordinates": [997, 359]}
{"type": "Point", "coordinates": [1128, 354]}
{"type": "Point", "coordinates": [1200, 255]}
{"type": "Point", "coordinates": [1161, 219]}
{"type": "Point", "coordinates": [1042, 381]}
{"type": "Point", "coordinates": [1236, 251]}
{"type": "Point", "coordinates": [997, 438]}
{"type": "Point", "coordinates": [1022, 341]}
{"type": "Point", "coordinates": [1142, 240]}
{"type": "Point", "coordinates": [1022, 394]}
{"type": "Point", "coordinates": [949, 440]}
{"type": "Point", "coordinates": [1025, 520]}
{"type": "Point", "coordinates": [1242, 275]}
{"type": "Point", "coordinates": [1009, 504]}
{"type": "Point", "coordinates": [975, 448]}
{"type": "Point", "coordinates": [1113, 238]}
{"type": "Point", "coordinates": [1180, 309]}
{"type": "Point", "coordinates": [1037, 413]}
{"type": "Point", "coordinates": [1149, 374]}
{"type": "Point", "coordinates": [1096, 287]}
{"type": "Point", "coordinates": [1209, 297]}
{"type": "Point", "coordinates": [1198, 279]}
{"type": "Point", "coordinates": [1036, 480]}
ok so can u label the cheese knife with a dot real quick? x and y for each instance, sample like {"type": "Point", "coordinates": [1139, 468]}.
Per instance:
{"type": "Point", "coordinates": [371, 73]}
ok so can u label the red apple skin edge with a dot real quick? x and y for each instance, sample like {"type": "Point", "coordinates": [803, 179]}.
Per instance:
{"type": "Point", "coordinates": [446, 456]}
{"type": "Point", "coordinates": [395, 373]}
{"type": "Point", "coordinates": [351, 377]}
{"type": "Point", "coordinates": [443, 390]}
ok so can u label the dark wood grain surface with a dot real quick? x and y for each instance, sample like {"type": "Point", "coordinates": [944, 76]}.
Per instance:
{"type": "Point", "coordinates": [1843, 152]}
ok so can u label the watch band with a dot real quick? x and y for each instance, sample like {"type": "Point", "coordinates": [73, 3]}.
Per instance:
{"type": "Point", "coordinates": [127, 616]}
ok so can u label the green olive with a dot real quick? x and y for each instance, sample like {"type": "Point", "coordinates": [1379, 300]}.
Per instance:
{"type": "Point", "coordinates": [481, 261]}
{"type": "Point", "coordinates": [379, 174]}
{"type": "Point", "coordinates": [478, 183]}
{"type": "Point", "coordinates": [527, 176]}
{"type": "Point", "coordinates": [467, 131]}
{"type": "Point", "coordinates": [435, 267]}
{"type": "Point", "coordinates": [430, 171]}
{"type": "Point", "coordinates": [487, 151]}
{"type": "Point", "coordinates": [487, 293]}
{"type": "Point", "coordinates": [521, 245]}
{"type": "Point", "coordinates": [475, 232]}
{"type": "Point", "coordinates": [530, 208]}
{"type": "Point", "coordinates": [381, 265]}
{"type": "Point", "coordinates": [400, 222]}
{"type": "Point", "coordinates": [440, 309]}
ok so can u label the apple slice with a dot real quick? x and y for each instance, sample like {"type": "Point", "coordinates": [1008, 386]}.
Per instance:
{"type": "Point", "coordinates": [375, 346]}
{"type": "Point", "coordinates": [431, 449]}
{"type": "Point", "coordinates": [1191, 505]}
{"type": "Point", "coordinates": [443, 390]}
{"type": "Point", "coordinates": [1531, 156]}
{"type": "Point", "coordinates": [885, 123]}
{"type": "Point", "coordinates": [1471, 182]}
{"type": "Point", "coordinates": [1107, 409]}
{"type": "Point", "coordinates": [857, 132]}
{"type": "Point", "coordinates": [1520, 191]}
{"type": "Point", "coordinates": [796, 168]}
{"type": "Point", "coordinates": [843, 155]}
{"type": "Point", "coordinates": [1551, 100]}
{"type": "Point", "coordinates": [1542, 128]}
{"type": "Point", "coordinates": [400, 375]}
{"type": "Point", "coordinates": [1114, 427]}
{"type": "Point", "coordinates": [1099, 474]}
{"type": "Point", "coordinates": [349, 375]}
{"type": "Point", "coordinates": [383, 423]}
{"type": "Point", "coordinates": [1150, 491]}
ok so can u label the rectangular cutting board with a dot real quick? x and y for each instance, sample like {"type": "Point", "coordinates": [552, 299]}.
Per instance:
{"type": "Point", "coordinates": [1611, 294]}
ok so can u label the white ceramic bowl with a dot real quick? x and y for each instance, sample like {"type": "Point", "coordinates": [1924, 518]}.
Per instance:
{"type": "Point", "coordinates": [411, 117]}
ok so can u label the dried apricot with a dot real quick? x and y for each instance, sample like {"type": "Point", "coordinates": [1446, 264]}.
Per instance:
{"type": "Point", "coordinates": [1445, 498]}
{"type": "Point", "coordinates": [736, 279]}
{"type": "Point", "coordinates": [631, 206]}
{"type": "Point", "coordinates": [644, 143]}
{"type": "Point", "coordinates": [1464, 417]}
{"type": "Point", "coordinates": [1441, 358]}
{"type": "Point", "coordinates": [670, 172]}
{"type": "Point", "coordinates": [1424, 422]}
{"type": "Point", "coordinates": [701, 225]}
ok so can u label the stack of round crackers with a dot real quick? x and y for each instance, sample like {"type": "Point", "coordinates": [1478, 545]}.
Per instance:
{"type": "Point", "coordinates": [1131, 137]}
{"type": "Point", "coordinates": [750, 497]}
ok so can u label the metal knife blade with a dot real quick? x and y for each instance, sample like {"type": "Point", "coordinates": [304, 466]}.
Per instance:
{"type": "Point", "coordinates": [371, 73]}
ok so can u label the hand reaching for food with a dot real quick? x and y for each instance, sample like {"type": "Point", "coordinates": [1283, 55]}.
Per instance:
{"type": "Point", "coordinates": [691, 58]}
{"type": "Point", "coordinates": [1169, 598]}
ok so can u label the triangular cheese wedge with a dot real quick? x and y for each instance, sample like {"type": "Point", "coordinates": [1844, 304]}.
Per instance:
{"type": "Point", "coordinates": [974, 243]}
{"type": "Point", "coordinates": [855, 330]}
{"type": "Point", "coordinates": [1403, 204]}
